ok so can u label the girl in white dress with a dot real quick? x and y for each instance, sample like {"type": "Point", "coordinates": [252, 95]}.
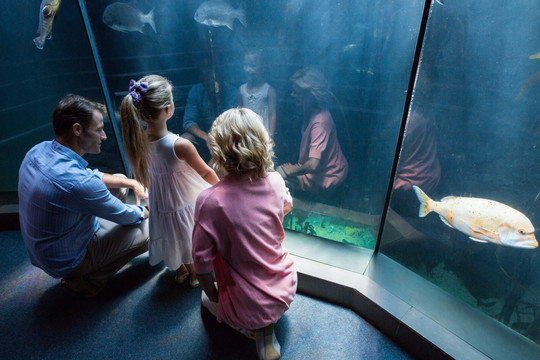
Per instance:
{"type": "Point", "coordinates": [256, 94]}
{"type": "Point", "coordinates": [170, 167]}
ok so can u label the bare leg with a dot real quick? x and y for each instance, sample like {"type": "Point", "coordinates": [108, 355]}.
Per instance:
{"type": "Point", "coordinates": [193, 280]}
{"type": "Point", "coordinates": [181, 274]}
{"type": "Point", "coordinates": [208, 283]}
{"type": "Point", "coordinates": [268, 347]}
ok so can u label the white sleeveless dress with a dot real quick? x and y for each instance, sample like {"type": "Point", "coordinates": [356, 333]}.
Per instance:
{"type": "Point", "coordinates": [174, 187]}
{"type": "Point", "coordinates": [257, 102]}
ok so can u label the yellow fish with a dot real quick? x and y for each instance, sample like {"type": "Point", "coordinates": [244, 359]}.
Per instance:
{"type": "Point", "coordinates": [535, 56]}
{"type": "Point", "coordinates": [47, 13]}
{"type": "Point", "coordinates": [481, 219]}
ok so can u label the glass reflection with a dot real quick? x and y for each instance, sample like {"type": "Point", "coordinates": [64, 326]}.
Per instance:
{"type": "Point", "coordinates": [355, 45]}
{"type": "Point", "coordinates": [206, 101]}
{"type": "Point", "coordinates": [214, 46]}
{"type": "Point", "coordinates": [321, 166]}
{"type": "Point", "coordinates": [42, 70]}
{"type": "Point", "coordinates": [477, 118]}
{"type": "Point", "coordinates": [256, 94]}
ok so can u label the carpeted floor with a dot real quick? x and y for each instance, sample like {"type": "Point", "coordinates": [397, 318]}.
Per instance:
{"type": "Point", "coordinates": [143, 314]}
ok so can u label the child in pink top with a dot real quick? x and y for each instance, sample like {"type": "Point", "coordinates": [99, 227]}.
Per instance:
{"type": "Point", "coordinates": [321, 164]}
{"type": "Point", "coordinates": [238, 232]}
{"type": "Point", "coordinates": [320, 142]}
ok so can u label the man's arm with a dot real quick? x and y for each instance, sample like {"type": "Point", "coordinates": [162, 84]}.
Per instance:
{"type": "Point", "coordinates": [93, 197]}
{"type": "Point", "coordinates": [196, 130]}
{"type": "Point", "coordinates": [115, 182]}
{"type": "Point", "coordinates": [192, 111]}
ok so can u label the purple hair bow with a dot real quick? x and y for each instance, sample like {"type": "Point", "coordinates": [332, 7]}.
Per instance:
{"type": "Point", "coordinates": [136, 89]}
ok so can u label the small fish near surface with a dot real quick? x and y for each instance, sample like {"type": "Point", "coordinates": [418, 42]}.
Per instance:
{"type": "Point", "coordinates": [219, 13]}
{"type": "Point", "coordinates": [482, 220]}
{"type": "Point", "coordinates": [124, 17]}
{"type": "Point", "coordinates": [47, 13]}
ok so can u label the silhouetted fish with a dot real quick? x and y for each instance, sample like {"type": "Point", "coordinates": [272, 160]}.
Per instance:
{"type": "Point", "coordinates": [219, 13]}
{"type": "Point", "coordinates": [482, 220]}
{"type": "Point", "coordinates": [530, 81]}
{"type": "Point", "coordinates": [124, 17]}
{"type": "Point", "coordinates": [47, 13]}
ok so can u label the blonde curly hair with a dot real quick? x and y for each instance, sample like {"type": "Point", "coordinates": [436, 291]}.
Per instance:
{"type": "Point", "coordinates": [240, 144]}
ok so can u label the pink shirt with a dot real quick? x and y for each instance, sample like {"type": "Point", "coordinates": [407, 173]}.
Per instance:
{"type": "Point", "coordinates": [320, 142]}
{"type": "Point", "coordinates": [418, 161]}
{"type": "Point", "coordinates": [238, 233]}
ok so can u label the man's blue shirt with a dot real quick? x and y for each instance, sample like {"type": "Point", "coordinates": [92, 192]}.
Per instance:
{"type": "Point", "coordinates": [59, 202]}
{"type": "Point", "coordinates": [201, 112]}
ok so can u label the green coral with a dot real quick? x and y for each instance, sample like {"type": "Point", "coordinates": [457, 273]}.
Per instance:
{"type": "Point", "coordinates": [330, 228]}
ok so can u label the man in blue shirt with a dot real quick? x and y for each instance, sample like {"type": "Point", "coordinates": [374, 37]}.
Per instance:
{"type": "Point", "coordinates": [205, 102]}
{"type": "Point", "coordinates": [72, 226]}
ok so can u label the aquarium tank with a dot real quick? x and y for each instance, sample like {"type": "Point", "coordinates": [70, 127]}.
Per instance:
{"type": "Point", "coordinates": [431, 126]}
{"type": "Point", "coordinates": [471, 145]}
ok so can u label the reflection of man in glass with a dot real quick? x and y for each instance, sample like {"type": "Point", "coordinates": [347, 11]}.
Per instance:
{"type": "Point", "coordinates": [206, 100]}
{"type": "Point", "coordinates": [321, 163]}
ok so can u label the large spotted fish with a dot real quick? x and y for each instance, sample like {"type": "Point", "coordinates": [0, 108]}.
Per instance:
{"type": "Point", "coordinates": [481, 219]}
{"type": "Point", "coordinates": [47, 13]}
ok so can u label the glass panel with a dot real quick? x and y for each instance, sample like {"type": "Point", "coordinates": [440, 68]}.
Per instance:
{"type": "Point", "coordinates": [36, 79]}
{"type": "Point", "coordinates": [363, 49]}
{"type": "Point", "coordinates": [474, 117]}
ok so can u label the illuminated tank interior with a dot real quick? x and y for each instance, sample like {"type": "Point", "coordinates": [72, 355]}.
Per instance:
{"type": "Point", "coordinates": [413, 83]}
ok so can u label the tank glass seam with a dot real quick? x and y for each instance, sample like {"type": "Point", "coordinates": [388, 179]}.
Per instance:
{"type": "Point", "coordinates": [408, 98]}
{"type": "Point", "coordinates": [102, 81]}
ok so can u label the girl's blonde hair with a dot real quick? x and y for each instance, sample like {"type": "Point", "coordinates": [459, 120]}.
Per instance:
{"type": "Point", "coordinates": [314, 82]}
{"type": "Point", "coordinates": [143, 106]}
{"type": "Point", "coordinates": [240, 145]}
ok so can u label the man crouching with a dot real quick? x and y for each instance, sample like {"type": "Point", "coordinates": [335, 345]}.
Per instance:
{"type": "Point", "coordinates": [72, 226]}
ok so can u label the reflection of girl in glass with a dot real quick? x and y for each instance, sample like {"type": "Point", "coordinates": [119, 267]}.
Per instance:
{"type": "Point", "coordinates": [321, 163]}
{"type": "Point", "coordinates": [256, 94]}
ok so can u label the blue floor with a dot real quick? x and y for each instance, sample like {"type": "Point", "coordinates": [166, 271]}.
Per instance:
{"type": "Point", "coordinates": [143, 314]}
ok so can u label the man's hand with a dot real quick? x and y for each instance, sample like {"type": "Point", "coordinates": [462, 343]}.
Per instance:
{"type": "Point", "coordinates": [118, 181]}
{"type": "Point", "coordinates": [146, 213]}
{"type": "Point", "coordinates": [141, 193]}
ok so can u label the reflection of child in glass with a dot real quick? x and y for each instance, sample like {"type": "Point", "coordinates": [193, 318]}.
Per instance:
{"type": "Point", "coordinates": [256, 94]}
{"type": "Point", "coordinates": [321, 163]}
{"type": "Point", "coordinates": [238, 232]}
{"type": "Point", "coordinates": [170, 167]}
{"type": "Point", "coordinates": [418, 164]}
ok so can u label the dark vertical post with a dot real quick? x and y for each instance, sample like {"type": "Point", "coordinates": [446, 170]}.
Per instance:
{"type": "Point", "coordinates": [102, 81]}
{"type": "Point", "coordinates": [414, 71]}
